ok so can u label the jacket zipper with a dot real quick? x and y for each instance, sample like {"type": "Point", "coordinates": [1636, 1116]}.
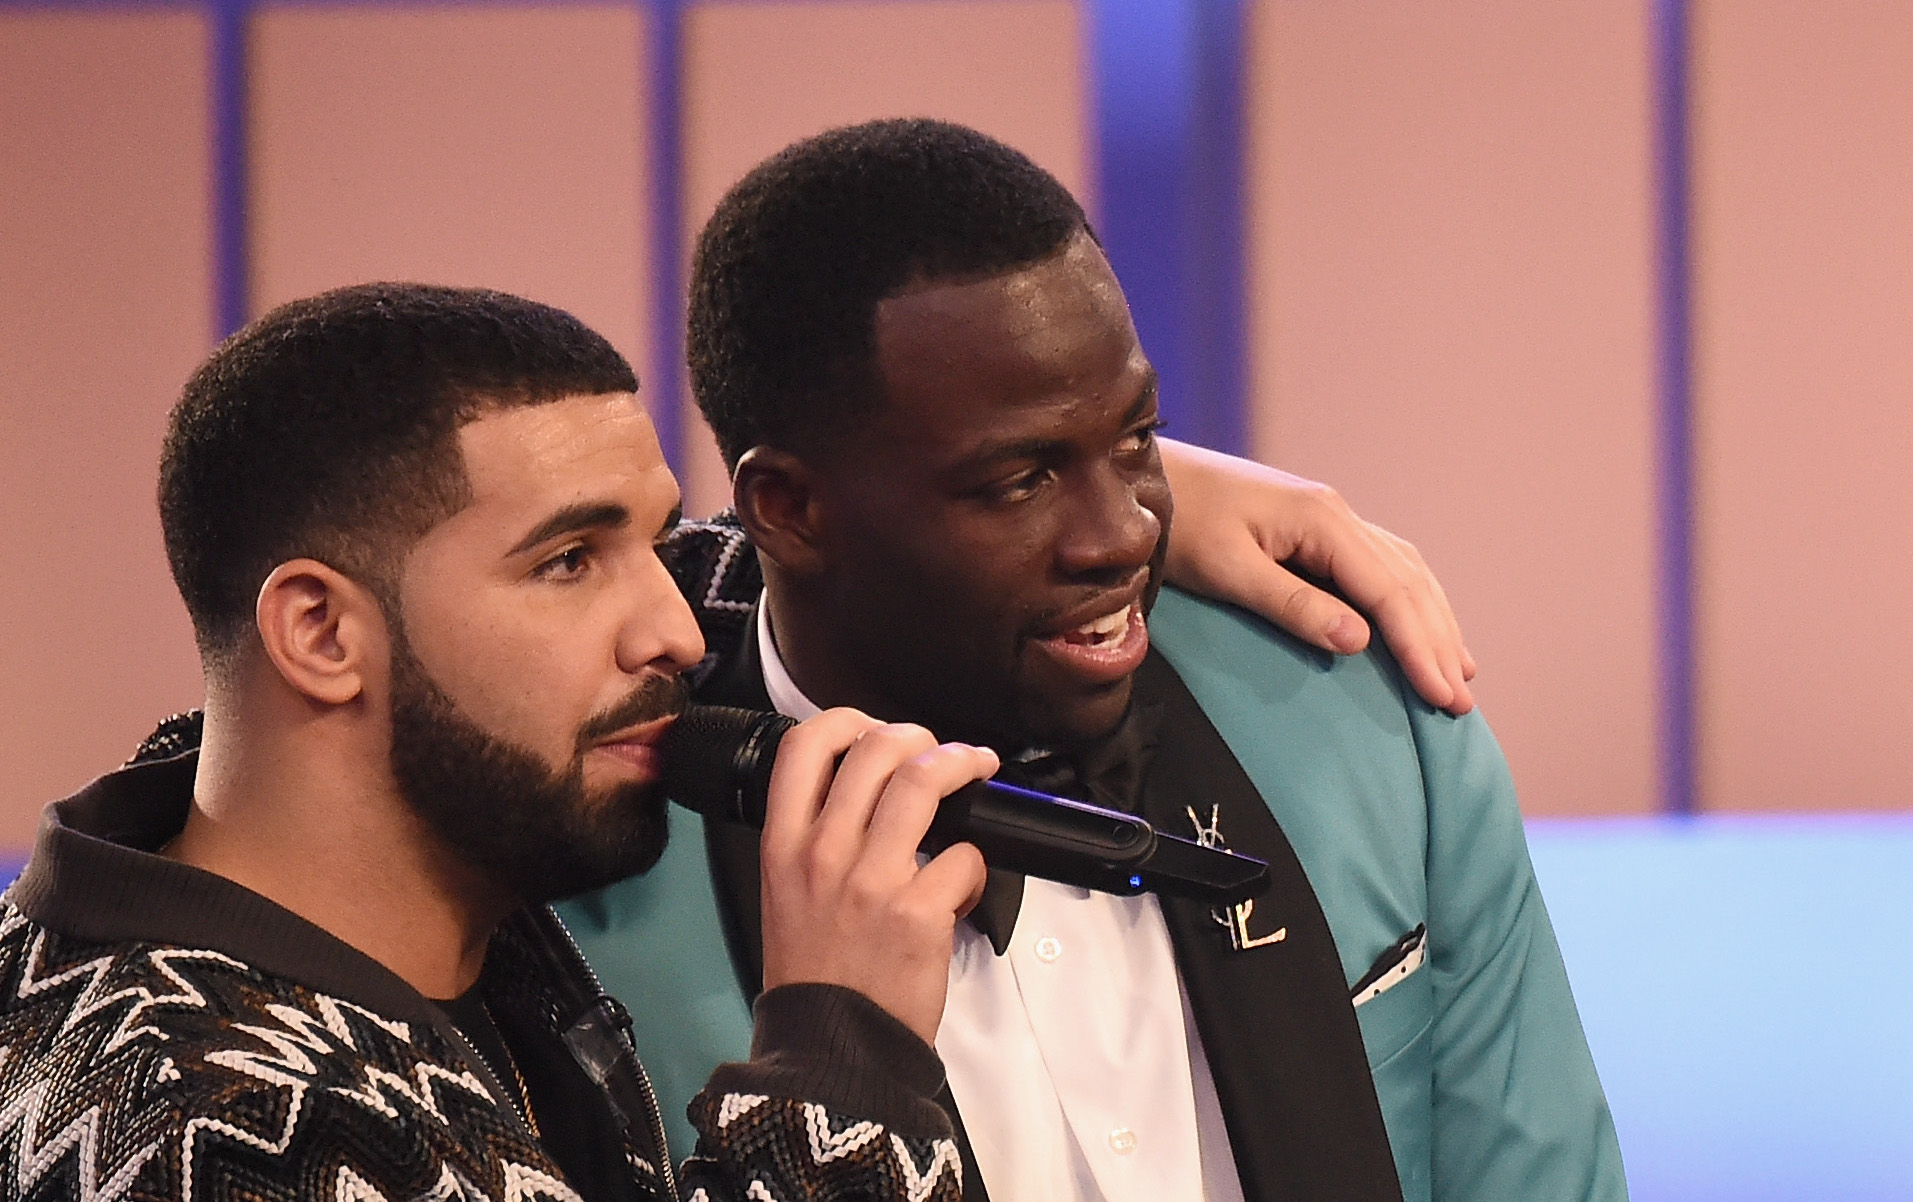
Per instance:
{"type": "Point", "coordinates": [653, 1115]}
{"type": "Point", "coordinates": [484, 1065]}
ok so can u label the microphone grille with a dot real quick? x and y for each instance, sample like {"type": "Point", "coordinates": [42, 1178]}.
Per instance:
{"type": "Point", "coordinates": [717, 760]}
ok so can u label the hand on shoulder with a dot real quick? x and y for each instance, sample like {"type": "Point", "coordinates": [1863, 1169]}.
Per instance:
{"type": "Point", "coordinates": [1238, 523]}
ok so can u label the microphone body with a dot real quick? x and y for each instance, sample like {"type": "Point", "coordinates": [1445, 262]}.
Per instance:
{"type": "Point", "coordinates": [718, 760]}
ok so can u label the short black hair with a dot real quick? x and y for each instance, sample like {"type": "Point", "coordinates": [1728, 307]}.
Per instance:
{"type": "Point", "coordinates": [326, 429]}
{"type": "Point", "coordinates": [788, 272]}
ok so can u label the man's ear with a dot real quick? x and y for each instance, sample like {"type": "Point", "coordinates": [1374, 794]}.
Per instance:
{"type": "Point", "coordinates": [777, 499]}
{"type": "Point", "coordinates": [323, 631]}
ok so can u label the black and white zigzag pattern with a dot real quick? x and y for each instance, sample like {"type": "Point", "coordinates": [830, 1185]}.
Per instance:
{"type": "Point", "coordinates": [716, 569]}
{"type": "Point", "coordinates": [836, 1157]}
{"type": "Point", "coordinates": [148, 1072]}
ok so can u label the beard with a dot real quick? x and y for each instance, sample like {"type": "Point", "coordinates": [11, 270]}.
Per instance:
{"type": "Point", "coordinates": [503, 810]}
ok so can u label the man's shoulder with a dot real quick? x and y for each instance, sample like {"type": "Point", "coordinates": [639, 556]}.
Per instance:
{"type": "Point", "coordinates": [1349, 760]}
{"type": "Point", "coordinates": [152, 1069]}
{"type": "Point", "coordinates": [1234, 659]}
{"type": "Point", "coordinates": [1309, 723]}
{"type": "Point", "coordinates": [716, 569]}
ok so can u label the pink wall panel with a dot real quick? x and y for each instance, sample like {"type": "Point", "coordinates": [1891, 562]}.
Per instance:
{"type": "Point", "coordinates": [760, 76]}
{"type": "Point", "coordinates": [105, 306]}
{"type": "Point", "coordinates": [1803, 245]}
{"type": "Point", "coordinates": [1451, 319]}
{"type": "Point", "coordinates": [488, 145]}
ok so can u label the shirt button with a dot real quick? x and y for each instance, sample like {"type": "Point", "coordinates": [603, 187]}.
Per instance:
{"type": "Point", "coordinates": [1122, 1141]}
{"type": "Point", "coordinates": [1048, 948]}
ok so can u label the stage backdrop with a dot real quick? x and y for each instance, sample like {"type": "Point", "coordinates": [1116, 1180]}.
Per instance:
{"type": "Point", "coordinates": [1421, 250]}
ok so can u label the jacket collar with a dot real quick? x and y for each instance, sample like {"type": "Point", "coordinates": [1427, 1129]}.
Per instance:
{"type": "Point", "coordinates": [96, 875]}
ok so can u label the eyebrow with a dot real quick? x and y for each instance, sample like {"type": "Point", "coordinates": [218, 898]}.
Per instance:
{"type": "Point", "coordinates": [1037, 448]}
{"type": "Point", "coordinates": [572, 518]}
{"type": "Point", "coordinates": [1145, 398]}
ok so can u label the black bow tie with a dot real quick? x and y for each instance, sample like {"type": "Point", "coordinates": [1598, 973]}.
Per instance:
{"type": "Point", "coordinates": [1107, 772]}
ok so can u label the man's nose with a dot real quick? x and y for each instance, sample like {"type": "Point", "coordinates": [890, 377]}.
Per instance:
{"type": "Point", "coordinates": [659, 631]}
{"type": "Point", "coordinates": [1110, 532]}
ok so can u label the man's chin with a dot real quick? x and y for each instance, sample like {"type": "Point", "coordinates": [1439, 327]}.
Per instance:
{"type": "Point", "coordinates": [632, 828]}
{"type": "Point", "coordinates": [610, 837]}
{"type": "Point", "coordinates": [1079, 717]}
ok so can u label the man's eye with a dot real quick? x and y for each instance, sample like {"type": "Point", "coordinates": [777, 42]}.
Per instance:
{"type": "Point", "coordinates": [1019, 486]}
{"type": "Point", "coordinates": [1141, 438]}
{"type": "Point", "coordinates": [568, 564]}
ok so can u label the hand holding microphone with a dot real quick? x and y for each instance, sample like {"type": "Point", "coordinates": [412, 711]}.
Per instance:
{"type": "Point", "coordinates": [845, 902]}
{"type": "Point", "coordinates": [719, 762]}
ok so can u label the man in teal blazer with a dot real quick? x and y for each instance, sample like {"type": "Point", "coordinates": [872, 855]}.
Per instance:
{"type": "Point", "coordinates": [946, 458]}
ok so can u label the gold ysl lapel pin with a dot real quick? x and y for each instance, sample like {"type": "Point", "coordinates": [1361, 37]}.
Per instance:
{"type": "Point", "coordinates": [1235, 918]}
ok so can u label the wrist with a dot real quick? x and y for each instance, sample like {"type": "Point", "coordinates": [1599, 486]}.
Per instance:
{"type": "Point", "coordinates": [834, 1046]}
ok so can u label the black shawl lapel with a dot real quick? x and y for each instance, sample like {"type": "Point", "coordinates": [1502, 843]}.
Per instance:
{"type": "Point", "coordinates": [1276, 1021]}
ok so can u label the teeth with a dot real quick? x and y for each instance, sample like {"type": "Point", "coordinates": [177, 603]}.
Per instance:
{"type": "Point", "coordinates": [1103, 628]}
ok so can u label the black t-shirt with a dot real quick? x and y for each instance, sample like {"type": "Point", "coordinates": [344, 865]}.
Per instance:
{"type": "Point", "coordinates": [574, 1121]}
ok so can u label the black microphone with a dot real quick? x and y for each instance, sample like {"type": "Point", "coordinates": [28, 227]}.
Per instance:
{"type": "Point", "coordinates": [717, 761]}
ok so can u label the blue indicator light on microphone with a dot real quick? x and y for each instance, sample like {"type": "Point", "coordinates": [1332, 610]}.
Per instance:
{"type": "Point", "coordinates": [1135, 882]}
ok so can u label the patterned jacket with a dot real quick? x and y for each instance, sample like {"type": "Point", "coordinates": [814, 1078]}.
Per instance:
{"type": "Point", "coordinates": [168, 1034]}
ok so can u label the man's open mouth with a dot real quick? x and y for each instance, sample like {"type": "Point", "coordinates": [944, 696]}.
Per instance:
{"type": "Point", "coordinates": [1111, 628]}
{"type": "Point", "coordinates": [1103, 649]}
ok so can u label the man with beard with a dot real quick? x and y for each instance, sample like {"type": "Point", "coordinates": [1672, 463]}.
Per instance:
{"type": "Point", "coordinates": [416, 530]}
{"type": "Point", "coordinates": [942, 430]}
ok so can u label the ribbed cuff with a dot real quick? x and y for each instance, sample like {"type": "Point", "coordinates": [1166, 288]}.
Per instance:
{"type": "Point", "coordinates": [834, 1046]}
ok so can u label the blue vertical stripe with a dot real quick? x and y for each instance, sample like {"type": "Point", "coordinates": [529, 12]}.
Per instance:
{"type": "Point", "coordinates": [231, 261]}
{"type": "Point", "coordinates": [1673, 194]}
{"type": "Point", "coordinates": [1169, 141]}
{"type": "Point", "coordinates": [664, 71]}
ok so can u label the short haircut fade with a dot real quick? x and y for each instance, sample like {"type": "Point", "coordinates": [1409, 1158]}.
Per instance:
{"type": "Point", "coordinates": [788, 273]}
{"type": "Point", "coordinates": [326, 429]}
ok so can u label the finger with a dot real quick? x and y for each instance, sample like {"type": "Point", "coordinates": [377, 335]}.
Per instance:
{"type": "Point", "coordinates": [862, 777]}
{"type": "Point", "coordinates": [1464, 657]}
{"type": "Point", "coordinates": [952, 880]}
{"type": "Point", "coordinates": [1437, 616]}
{"type": "Point", "coordinates": [1429, 659]}
{"type": "Point", "coordinates": [1414, 631]}
{"type": "Point", "coordinates": [1407, 603]}
{"type": "Point", "coordinates": [910, 799]}
{"type": "Point", "coordinates": [1432, 664]}
{"type": "Point", "coordinates": [1372, 571]}
{"type": "Point", "coordinates": [1457, 665]}
{"type": "Point", "coordinates": [1309, 613]}
{"type": "Point", "coordinates": [1426, 676]}
{"type": "Point", "coordinates": [801, 775]}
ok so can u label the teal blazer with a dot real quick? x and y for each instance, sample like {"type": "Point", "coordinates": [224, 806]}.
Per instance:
{"type": "Point", "coordinates": [1401, 816]}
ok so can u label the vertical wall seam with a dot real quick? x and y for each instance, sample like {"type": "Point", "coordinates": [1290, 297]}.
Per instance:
{"type": "Point", "coordinates": [230, 24]}
{"type": "Point", "coordinates": [1169, 108]}
{"type": "Point", "coordinates": [665, 393]}
{"type": "Point", "coordinates": [1676, 692]}
{"type": "Point", "coordinates": [1215, 306]}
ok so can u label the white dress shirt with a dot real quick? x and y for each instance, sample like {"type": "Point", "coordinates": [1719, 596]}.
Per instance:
{"type": "Point", "coordinates": [1073, 1056]}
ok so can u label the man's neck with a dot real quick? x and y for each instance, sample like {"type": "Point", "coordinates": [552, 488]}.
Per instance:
{"type": "Point", "coordinates": [804, 676]}
{"type": "Point", "coordinates": [786, 696]}
{"type": "Point", "coordinates": [810, 654]}
{"type": "Point", "coordinates": [303, 816]}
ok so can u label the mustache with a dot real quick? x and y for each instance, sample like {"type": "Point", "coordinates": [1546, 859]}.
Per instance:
{"type": "Point", "coordinates": [659, 696]}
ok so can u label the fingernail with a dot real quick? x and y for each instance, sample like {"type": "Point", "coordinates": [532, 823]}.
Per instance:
{"type": "Point", "coordinates": [1345, 634]}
